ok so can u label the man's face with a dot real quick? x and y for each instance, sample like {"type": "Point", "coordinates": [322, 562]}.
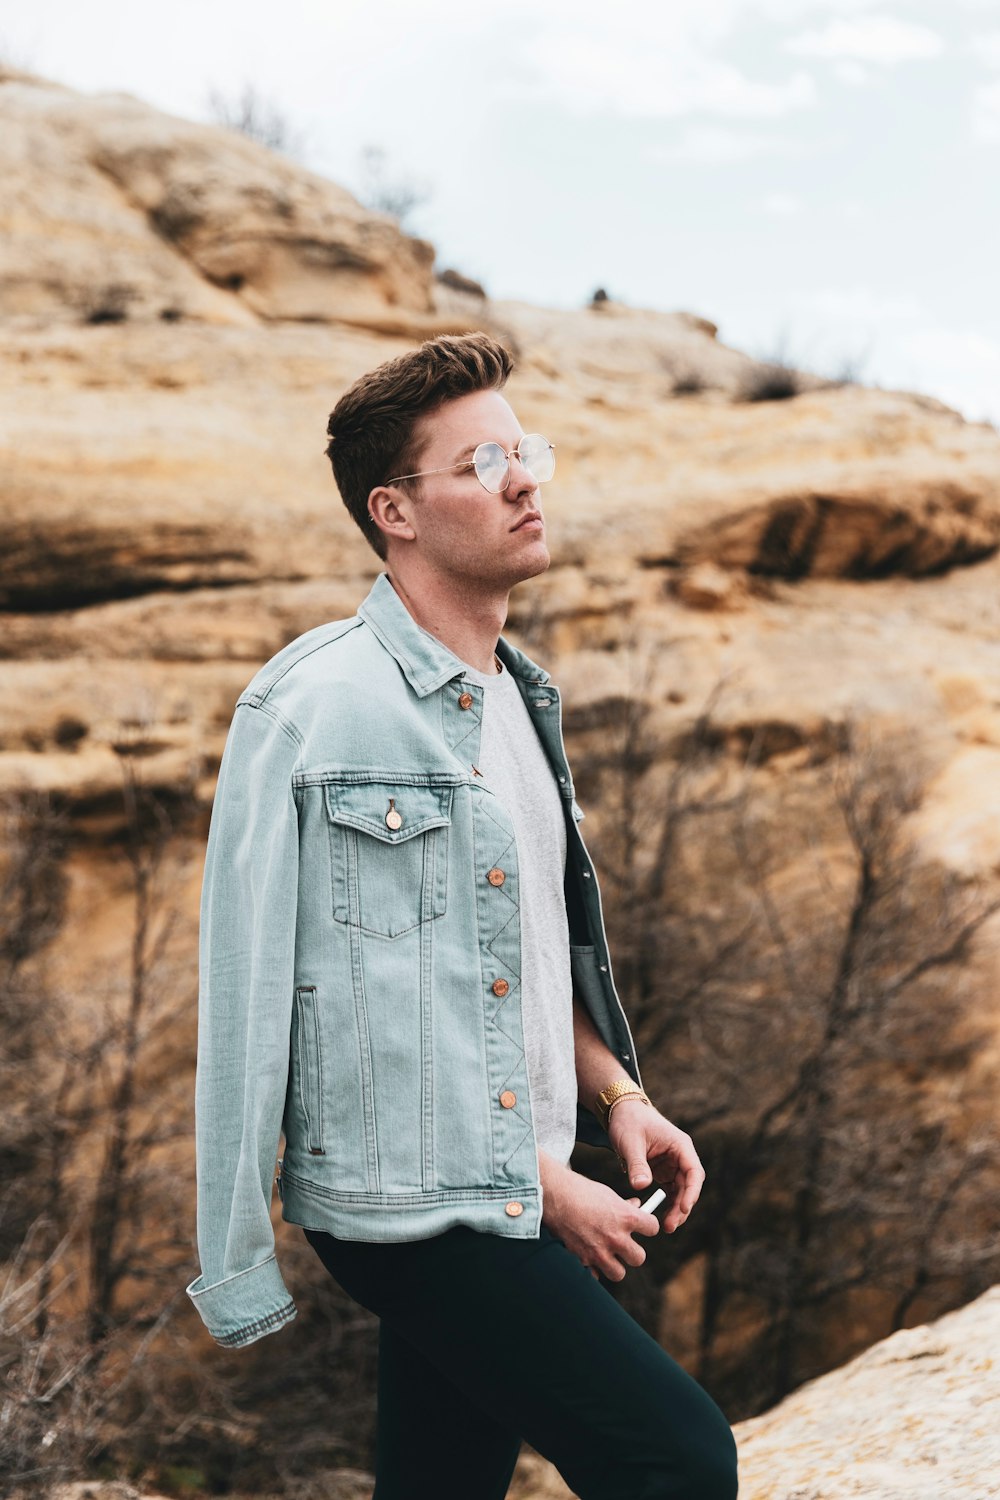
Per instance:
{"type": "Point", "coordinates": [460, 529]}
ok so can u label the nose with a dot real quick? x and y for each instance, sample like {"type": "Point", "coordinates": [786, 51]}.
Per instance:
{"type": "Point", "coordinates": [520, 481]}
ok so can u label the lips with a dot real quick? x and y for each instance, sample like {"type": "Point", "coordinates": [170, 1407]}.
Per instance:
{"type": "Point", "coordinates": [533, 515]}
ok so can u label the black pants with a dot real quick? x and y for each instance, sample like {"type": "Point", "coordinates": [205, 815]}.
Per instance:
{"type": "Point", "coordinates": [485, 1341]}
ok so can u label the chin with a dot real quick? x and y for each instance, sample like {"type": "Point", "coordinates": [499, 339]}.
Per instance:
{"type": "Point", "coordinates": [537, 563]}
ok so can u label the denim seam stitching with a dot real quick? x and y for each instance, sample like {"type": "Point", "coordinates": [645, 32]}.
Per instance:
{"type": "Point", "coordinates": [427, 1123]}
{"type": "Point", "coordinates": [361, 1017]}
{"type": "Point", "coordinates": [476, 846]}
{"type": "Point", "coordinates": [415, 1199]}
{"type": "Point", "coordinates": [259, 1325]}
{"type": "Point", "coordinates": [256, 698]}
{"type": "Point", "coordinates": [276, 717]}
{"type": "Point", "coordinates": [443, 671]}
{"type": "Point", "coordinates": [247, 1271]}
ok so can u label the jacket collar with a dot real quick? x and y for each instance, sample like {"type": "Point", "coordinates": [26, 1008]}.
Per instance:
{"type": "Point", "coordinates": [427, 662]}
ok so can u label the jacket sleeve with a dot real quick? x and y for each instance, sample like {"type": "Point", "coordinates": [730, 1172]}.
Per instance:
{"type": "Point", "coordinates": [246, 980]}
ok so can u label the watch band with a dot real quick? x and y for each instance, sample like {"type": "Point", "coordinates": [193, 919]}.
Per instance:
{"type": "Point", "coordinates": [610, 1096]}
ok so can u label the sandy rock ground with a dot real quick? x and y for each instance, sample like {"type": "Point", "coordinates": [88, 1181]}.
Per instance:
{"type": "Point", "coordinates": [912, 1418]}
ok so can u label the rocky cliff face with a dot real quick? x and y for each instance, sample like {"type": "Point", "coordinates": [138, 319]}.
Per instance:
{"type": "Point", "coordinates": [750, 580]}
{"type": "Point", "coordinates": [166, 503]}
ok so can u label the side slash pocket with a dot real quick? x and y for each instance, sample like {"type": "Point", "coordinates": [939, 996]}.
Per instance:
{"type": "Point", "coordinates": [308, 1055]}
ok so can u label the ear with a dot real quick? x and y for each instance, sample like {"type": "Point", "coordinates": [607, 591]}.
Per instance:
{"type": "Point", "coordinates": [389, 508]}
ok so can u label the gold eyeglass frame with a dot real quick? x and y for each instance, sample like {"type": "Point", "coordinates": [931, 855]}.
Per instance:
{"type": "Point", "coordinates": [467, 462]}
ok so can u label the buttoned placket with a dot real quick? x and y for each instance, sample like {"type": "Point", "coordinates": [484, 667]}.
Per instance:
{"type": "Point", "coordinates": [500, 946]}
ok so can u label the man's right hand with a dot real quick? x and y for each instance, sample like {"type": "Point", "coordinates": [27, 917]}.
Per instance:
{"type": "Point", "coordinates": [593, 1220]}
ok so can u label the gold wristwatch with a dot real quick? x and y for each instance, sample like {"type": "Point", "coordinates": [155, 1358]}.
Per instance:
{"type": "Point", "coordinates": [608, 1097]}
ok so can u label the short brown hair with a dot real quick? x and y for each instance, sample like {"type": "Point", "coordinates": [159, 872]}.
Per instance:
{"type": "Point", "coordinates": [371, 428]}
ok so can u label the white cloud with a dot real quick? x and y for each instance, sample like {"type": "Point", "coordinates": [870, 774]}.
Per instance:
{"type": "Point", "coordinates": [872, 39]}
{"type": "Point", "coordinates": [719, 144]}
{"type": "Point", "coordinates": [789, 11]}
{"type": "Point", "coordinates": [985, 48]}
{"type": "Point", "coordinates": [856, 305]}
{"type": "Point", "coordinates": [638, 76]}
{"type": "Point", "coordinates": [782, 205]}
{"type": "Point", "coordinates": [986, 113]}
{"type": "Point", "coordinates": [850, 72]}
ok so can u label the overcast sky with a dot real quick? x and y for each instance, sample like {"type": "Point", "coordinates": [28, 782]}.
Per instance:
{"type": "Point", "coordinates": [818, 177]}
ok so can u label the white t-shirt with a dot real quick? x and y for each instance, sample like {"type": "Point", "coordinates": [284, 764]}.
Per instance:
{"type": "Point", "coordinates": [516, 769]}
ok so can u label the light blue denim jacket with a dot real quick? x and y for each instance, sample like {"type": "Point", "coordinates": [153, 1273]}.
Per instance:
{"type": "Point", "coordinates": [359, 968]}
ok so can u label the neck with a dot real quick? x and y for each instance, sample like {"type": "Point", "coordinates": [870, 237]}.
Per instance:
{"type": "Point", "coordinates": [467, 621]}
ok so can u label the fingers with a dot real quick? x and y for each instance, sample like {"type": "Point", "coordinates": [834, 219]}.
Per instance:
{"type": "Point", "coordinates": [642, 1223]}
{"type": "Point", "coordinates": [633, 1162]}
{"type": "Point", "coordinates": [614, 1267]}
{"type": "Point", "coordinates": [687, 1197]}
{"type": "Point", "coordinates": [684, 1182]}
{"type": "Point", "coordinates": [692, 1188]}
{"type": "Point", "coordinates": [626, 1252]}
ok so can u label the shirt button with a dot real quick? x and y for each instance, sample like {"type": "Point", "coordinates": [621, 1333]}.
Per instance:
{"type": "Point", "coordinates": [465, 700]}
{"type": "Point", "coordinates": [500, 987]}
{"type": "Point", "coordinates": [508, 1099]}
{"type": "Point", "coordinates": [495, 876]}
{"type": "Point", "coordinates": [513, 1209]}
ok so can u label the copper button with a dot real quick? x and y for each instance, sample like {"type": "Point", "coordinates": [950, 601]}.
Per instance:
{"type": "Point", "coordinates": [495, 876]}
{"type": "Point", "coordinates": [465, 701]}
{"type": "Point", "coordinates": [508, 1099]}
{"type": "Point", "coordinates": [500, 986]}
{"type": "Point", "coordinates": [513, 1209]}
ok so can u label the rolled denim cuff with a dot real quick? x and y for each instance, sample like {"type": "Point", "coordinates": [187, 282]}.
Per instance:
{"type": "Point", "coordinates": [245, 1306]}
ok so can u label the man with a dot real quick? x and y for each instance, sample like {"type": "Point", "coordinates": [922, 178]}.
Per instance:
{"type": "Point", "coordinates": [404, 967]}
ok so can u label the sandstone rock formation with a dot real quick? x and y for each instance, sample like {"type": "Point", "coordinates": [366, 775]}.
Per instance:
{"type": "Point", "coordinates": [114, 211]}
{"type": "Point", "coordinates": [181, 309]}
{"type": "Point", "coordinates": [912, 1418]}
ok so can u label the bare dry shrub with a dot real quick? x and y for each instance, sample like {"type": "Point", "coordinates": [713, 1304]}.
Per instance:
{"type": "Point", "coordinates": [388, 191]}
{"type": "Point", "coordinates": [93, 1231]}
{"type": "Point", "coordinates": [802, 986]}
{"type": "Point", "coordinates": [257, 117]}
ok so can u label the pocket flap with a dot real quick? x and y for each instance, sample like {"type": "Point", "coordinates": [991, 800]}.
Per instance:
{"type": "Point", "coordinates": [364, 805]}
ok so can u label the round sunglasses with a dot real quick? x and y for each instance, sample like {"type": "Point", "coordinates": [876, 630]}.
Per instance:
{"type": "Point", "coordinates": [492, 464]}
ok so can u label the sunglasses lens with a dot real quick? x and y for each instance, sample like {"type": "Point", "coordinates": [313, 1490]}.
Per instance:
{"type": "Point", "coordinates": [535, 452]}
{"type": "Point", "coordinates": [538, 456]}
{"type": "Point", "coordinates": [492, 468]}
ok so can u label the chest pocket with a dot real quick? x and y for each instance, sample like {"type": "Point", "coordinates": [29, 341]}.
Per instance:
{"type": "Point", "coordinates": [389, 877]}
